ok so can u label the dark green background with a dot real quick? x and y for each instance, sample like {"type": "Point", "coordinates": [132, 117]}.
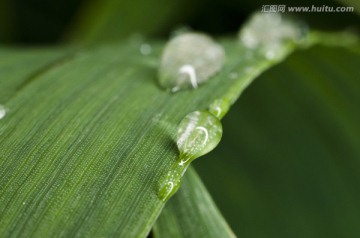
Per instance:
{"type": "Point", "coordinates": [47, 22]}
{"type": "Point", "coordinates": [288, 164]}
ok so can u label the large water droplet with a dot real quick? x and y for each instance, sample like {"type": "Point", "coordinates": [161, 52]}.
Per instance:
{"type": "Point", "coordinates": [198, 133]}
{"type": "Point", "coordinates": [2, 111]}
{"type": "Point", "coordinates": [189, 60]}
{"type": "Point", "coordinates": [268, 32]}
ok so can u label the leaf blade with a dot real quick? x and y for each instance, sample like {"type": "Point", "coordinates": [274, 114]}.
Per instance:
{"type": "Point", "coordinates": [19, 65]}
{"type": "Point", "coordinates": [87, 100]}
{"type": "Point", "coordinates": [94, 136]}
{"type": "Point", "coordinates": [191, 213]}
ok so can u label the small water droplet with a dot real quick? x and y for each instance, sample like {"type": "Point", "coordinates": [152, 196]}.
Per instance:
{"type": "Point", "coordinates": [249, 69]}
{"type": "Point", "coordinates": [171, 183]}
{"type": "Point", "coordinates": [175, 89]}
{"type": "Point", "coordinates": [145, 49]}
{"type": "Point", "coordinates": [219, 107]}
{"type": "Point", "coordinates": [189, 60]}
{"type": "Point", "coordinates": [270, 54]}
{"type": "Point", "coordinates": [2, 111]}
{"type": "Point", "coordinates": [233, 75]}
{"type": "Point", "coordinates": [198, 133]}
{"type": "Point", "coordinates": [269, 31]}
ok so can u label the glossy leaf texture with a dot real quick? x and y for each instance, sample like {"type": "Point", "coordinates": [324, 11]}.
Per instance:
{"type": "Point", "coordinates": [86, 142]}
{"type": "Point", "coordinates": [191, 213]}
{"type": "Point", "coordinates": [17, 66]}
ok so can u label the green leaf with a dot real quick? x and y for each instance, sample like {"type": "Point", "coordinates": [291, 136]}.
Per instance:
{"type": "Point", "coordinates": [289, 164]}
{"type": "Point", "coordinates": [17, 66]}
{"type": "Point", "coordinates": [84, 146]}
{"type": "Point", "coordinates": [191, 213]}
{"type": "Point", "coordinates": [86, 142]}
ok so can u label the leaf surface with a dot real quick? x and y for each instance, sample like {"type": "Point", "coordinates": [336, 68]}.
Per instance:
{"type": "Point", "coordinates": [20, 65]}
{"type": "Point", "coordinates": [86, 142]}
{"type": "Point", "coordinates": [191, 213]}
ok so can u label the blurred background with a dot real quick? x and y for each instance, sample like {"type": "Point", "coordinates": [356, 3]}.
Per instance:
{"type": "Point", "coordinates": [37, 22]}
{"type": "Point", "coordinates": [288, 165]}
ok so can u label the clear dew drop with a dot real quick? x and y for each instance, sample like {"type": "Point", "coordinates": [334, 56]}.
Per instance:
{"type": "Point", "coordinates": [145, 49]}
{"type": "Point", "coordinates": [188, 60]}
{"type": "Point", "coordinates": [198, 133]}
{"type": "Point", "coordinates": [233, 75]}
{"type": "Point", "coordinates": [270, 54]}
{"type": "Point", "coordinates": [219, 107]}
{"type": "Point", "coordinates": [269, 31]}
{"type": "Point", "coordinates": [171, 183]}
{"type": "Point", "coordinates": [2, 111]}
{"type": "Point", "coordinates": [249, 69]}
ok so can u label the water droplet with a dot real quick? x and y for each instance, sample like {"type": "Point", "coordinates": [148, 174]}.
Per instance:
{"type": "Point", "coordinates": [268, 32]}
{"type": "Point", "coordinates": [198, 133]}
{"type": "Point", "coordinates": [188, 70]}
{"type": "Point", "coordinates": [249, 69]}
{"type": "Point", "coordinates": [270, 54]}
{"type": "Point", "coordinates": [171, 182]}
{"type": "Point", "coordinates": [233, 75]}
{"type": "Point", "coordinates": [2, 111]}
{"type": "Point", "coordinates": [189, 60]}
{"type": "Point", "coordinates": [145, 49]}
{"type": "Point", "coordinates": [219, 108]}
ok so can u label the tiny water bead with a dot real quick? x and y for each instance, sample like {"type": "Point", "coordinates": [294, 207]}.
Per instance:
{"type": "Point", "coordinates": [171, 183]}
{"type": "Point", "coordinates": [233, 75]}
{"type": "Point", "coordinates": [268, 32]}
{"type": "Point", "coordinates": [249, 69]}
{"type": "Point", "coordinates": [219, 107]}
{"type": "Point", "coordinates": [270, 54]}
{"type": "Point", "coordinates": [198, 133]}
{"type": "Point", "coordinates": [2, 111]}
{"type": "Point", "coordinates": [188, 60]}
{"type": "Point", "coordinates": [145, 49]}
